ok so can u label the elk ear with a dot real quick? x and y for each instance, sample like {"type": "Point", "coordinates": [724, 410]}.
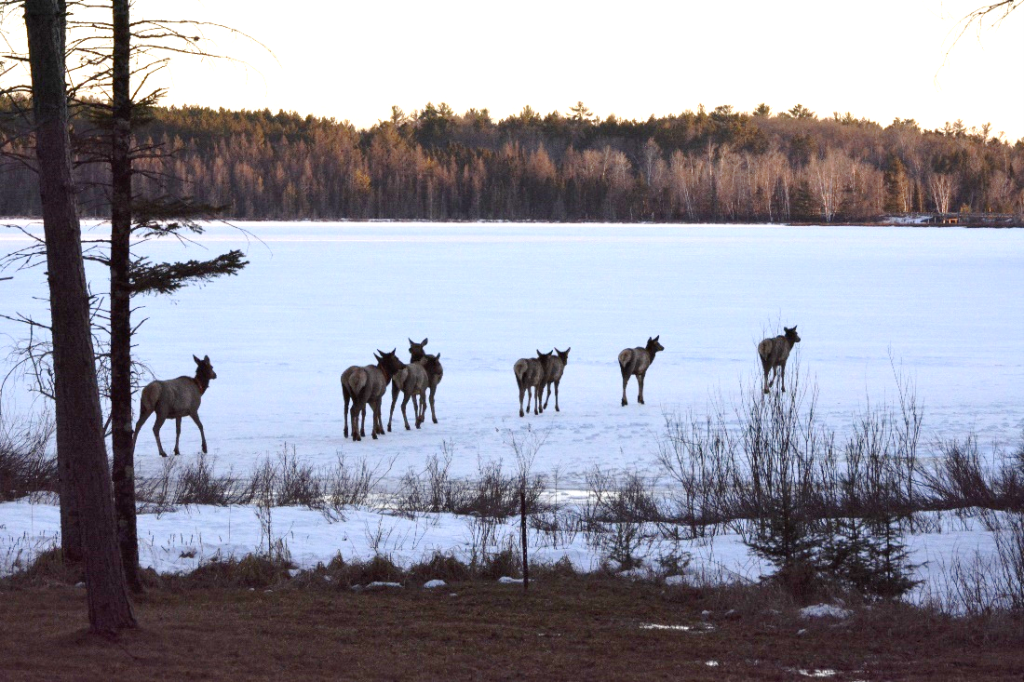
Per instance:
{"type": "Point", "coordinates": [198, 361]}
{"type": "Point", "coordinates": [206, 358]}
{"type": "Point", "coordinates": [657, 337]}
{"type": "Point", "coordinates": [568, 349]}
{"type": "Point", "coordinates": [424, 342]}
{"type": "Point", "coordinates": [438, 356]}
{"type": "Point", "coordinates": [393, 350]}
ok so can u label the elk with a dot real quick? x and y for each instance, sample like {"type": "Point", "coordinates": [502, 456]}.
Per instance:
{"type": "Point", "coordinates": [774, 352]}
{"type": "Point", "coordinates": [174, 399]}
{"type": "Point", "coordinates": [413, 380]}
{"type": "Point", "coordinates": [435, 373]}
{"type": "Point", "coordinates": [554, 374]}
{"type": "Point", "coordinates": [634, 362]}
{"type": "Point", "coordinates": [365, 386]}
{"type": "Point", "coordinates": [531, 373]}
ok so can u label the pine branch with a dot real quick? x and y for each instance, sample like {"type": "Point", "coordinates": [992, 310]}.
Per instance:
{"type": "Point", "coordinates": [165, 278]}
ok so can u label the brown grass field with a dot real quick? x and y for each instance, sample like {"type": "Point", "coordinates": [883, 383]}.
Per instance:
{"type": "Point", "coordinates": [581, 628]}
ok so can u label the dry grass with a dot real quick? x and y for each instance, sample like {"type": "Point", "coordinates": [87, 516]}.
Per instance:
{"type": "Point", "coordinates": [579, 628]}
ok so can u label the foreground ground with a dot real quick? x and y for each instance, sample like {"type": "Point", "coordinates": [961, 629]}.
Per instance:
{"type": "Point", "coordinates": [579, 629]}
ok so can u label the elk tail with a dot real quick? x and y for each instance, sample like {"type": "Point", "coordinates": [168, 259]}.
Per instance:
{"type": "Point", "coordinates": [357, 382]}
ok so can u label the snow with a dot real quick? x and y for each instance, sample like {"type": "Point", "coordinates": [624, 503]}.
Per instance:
{"type": "Point", "coordinates": [317, 298]}
{"type": "Point", "coordinates": [825, 611]}
{"type": "Point", "coordinates": [942, 305]}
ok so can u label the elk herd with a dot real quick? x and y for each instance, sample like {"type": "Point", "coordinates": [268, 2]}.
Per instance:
{"type": "Point", "coordinates": [364, 386]}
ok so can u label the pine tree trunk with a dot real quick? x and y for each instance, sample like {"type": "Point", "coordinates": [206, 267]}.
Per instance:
{"type": "Point", "coordinates": [79, 417]}
{"type": "Point", "coordinates": [120, 301]}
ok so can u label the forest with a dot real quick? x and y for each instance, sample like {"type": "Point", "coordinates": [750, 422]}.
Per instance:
{"type": "Point", "coordinates": [433, 164]}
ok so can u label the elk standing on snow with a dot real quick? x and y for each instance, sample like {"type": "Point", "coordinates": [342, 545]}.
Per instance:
{"type": "Point", "coordinates": [435, 372]}
{"type": "Point", "coordinates": [365, 386]}
{"type": "Point", "coordinates": [413, 380]}
{"type": "Point", "coordinates": [174, 399]}
{"type": "Point", "coordinates": [531, 373]}
{"type": "Point", "coordinates": [774, 352]}
{"type": "Point", "coordinates": [554, 374]}
{"type": "Point", "coordinates": [634, 362]}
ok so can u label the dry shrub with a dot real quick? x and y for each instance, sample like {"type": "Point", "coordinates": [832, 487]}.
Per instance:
{"type": "Point", "coordinates": [25, 465]}
{"type": "Point", "coordinates": [440, 567]}
{"type": "Point", "coordinates": [49, 568]}
{"type": "Point", "coordinates": [506, 563]}
{"type": "Point", "coordinates": [257, 571]}
{"type": "Point", "coordinates": [199, 484]}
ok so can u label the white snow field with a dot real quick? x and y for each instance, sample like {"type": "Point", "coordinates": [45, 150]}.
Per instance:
{"type": "Point", "coordinates": [944, 305]}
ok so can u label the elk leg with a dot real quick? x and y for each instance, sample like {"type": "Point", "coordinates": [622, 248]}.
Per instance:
{"type": "Point", "coordinates": [625, 381]}
{"type": "Point", "coordinates": [202, 433]}
{"type": "Point", "coordinates": [556, 396]}
{"type": "Point", "coordinates": [640, 395]}
{"type": "Point", "coordinates": [177, 434]}
{"type": "Point", "coordinates": [547, 398]}
{"type": "Point", "coordinates": [433, 414]}
{"type": "Point", "coordinates": [345, 415]}
{"type": "Point", "coordinates": [782, 373]}
{"type": "Point", "coordinates": [156, 432]}
{"type": "Point", "coordinates": [521, 392]}
{"type": "Point", "coordinates": [362, 424]}
{"type": "Point", "coordinates": [354, 416]}
{"type": "Point", "coordinates": [378, 421]}
{"type": "Point", "coordinates": [405, 401]}
{"type": "Point", "coordinates": [138, 425]}
{"type": "Point", "coordinates": [419, 404]}
{"type": "Point", "coordinates": [536, 400]}
{"type": "Point", "coordinates": [394, 399]}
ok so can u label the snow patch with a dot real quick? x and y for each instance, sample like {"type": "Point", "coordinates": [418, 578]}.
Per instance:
{"type": "Point", "coordinates": [825, 611]}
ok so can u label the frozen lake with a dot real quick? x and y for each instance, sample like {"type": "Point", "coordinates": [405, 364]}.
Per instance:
{"type": "Point", "coordinates": [316, 298]}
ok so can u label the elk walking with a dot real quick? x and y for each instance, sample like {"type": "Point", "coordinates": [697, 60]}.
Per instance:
{"type": "Point", "coordinates": [531, 374]}
{"type": "Point", "coordinates": [435, 372]}
{"type": "Point", "coordinates": [634, 362]}
{"type": "Point", "coordinates": [174, 399]}
{"type": "Point", "coordinates": [413, 380]}
{"type": "Point", "coordinates": [774, 352]}
{"type": "Point", "coordinates": [365, 386]}
{"type": "Point", "coordinates": [554, 374]}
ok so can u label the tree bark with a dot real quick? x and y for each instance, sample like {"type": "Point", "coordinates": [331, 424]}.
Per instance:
{"type": "Point", "coordinates": [120, 300]}
{"type": "Point", "coordinates": [78, 413]}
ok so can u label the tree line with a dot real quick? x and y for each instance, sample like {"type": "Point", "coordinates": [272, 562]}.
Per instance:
{"type": "Point", "coordinates": [433, 164]}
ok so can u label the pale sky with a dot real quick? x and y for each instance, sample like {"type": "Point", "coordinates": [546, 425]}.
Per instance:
{"type": "Point", "coordinates": [353, 60]}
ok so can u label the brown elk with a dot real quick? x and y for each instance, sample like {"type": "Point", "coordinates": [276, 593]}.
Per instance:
{"type": "Point", "coordinates": [365, 386]}
{"type": "Point", "coordinates": [554, 374]}
{"type": "Point", "coordinates": [634, 362]}
{"type": "Point", "coordinates": [174, 399]}
{"type": "Point", "coordinates": [435, 372]}
{"type": "Point", "coordinates": [413, 380]}
{"type": "Point", "coordinates": [531, 374]}
{"type": "Point", "coordinates": [774, 352]}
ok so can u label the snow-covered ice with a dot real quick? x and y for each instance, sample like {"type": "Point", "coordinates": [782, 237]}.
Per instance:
{"type": "Point", "coordinates": [943, 304]}
{"type": "Point", "coordinates": [317, 298]}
